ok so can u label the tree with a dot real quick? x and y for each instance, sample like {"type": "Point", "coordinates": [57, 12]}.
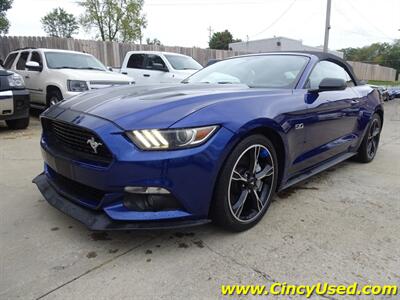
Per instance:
{"type": "Point", "coordinates": [59, 23]}
{"type": "Point", "coordinates": [115, 20]}
{"type": "Point", "coordinates": [4, 23]}
{"type": "Point", "coordinates": [221, 40]}
{"type": "Point", "coordinates": [153, 42]}
{"type": "Point", "coordinates": [385, 54]}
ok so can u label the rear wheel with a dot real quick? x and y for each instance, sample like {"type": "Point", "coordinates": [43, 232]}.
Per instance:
{"type": "Point", "coordinates": [246, 184]}
{"type": "Point", "coordinates": [370, 143]}
{"type": "Point", "coordinates": [18, 123]}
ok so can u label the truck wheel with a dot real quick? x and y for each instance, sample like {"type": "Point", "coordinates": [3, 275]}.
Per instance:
{"type": "Point", "coordinates": [53, 97]}
{"type": "Point", "coordinates": [18, 123]}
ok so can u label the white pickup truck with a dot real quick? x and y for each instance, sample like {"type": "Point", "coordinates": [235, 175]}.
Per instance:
{"type": "Point", "coordinates": [52, 75]}
{"type": "Point", "coordinates": [151, 67]}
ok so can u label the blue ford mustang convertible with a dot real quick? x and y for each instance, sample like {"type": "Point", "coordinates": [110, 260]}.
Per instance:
{"type": "Point", "coordinates": [215, 147]}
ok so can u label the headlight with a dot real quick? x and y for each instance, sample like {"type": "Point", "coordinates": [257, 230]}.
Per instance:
{"type": "Point", "coordinates": [169, 139]}
{"type": "Point", "coordinates": [77, 86]}
{"type": "Point", "coordinates": [16, 81]}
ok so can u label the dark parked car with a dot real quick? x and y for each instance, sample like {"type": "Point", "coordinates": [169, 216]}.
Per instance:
{"type": "Point", "coordinates": [216, 147]}
{"type": "Point", "coordinates": [397, 92]}
{"type": "Point", "coordinates": [394, 92]}
{"type": "Point", "coordinates": [14, 100]}
{"type": "Point", "coordinates": [383, 92]}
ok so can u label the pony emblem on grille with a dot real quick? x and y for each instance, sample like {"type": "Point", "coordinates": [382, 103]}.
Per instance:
{"type": "Point", "coordinates": [92, 142]}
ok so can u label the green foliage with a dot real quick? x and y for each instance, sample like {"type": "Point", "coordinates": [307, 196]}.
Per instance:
{"type": "Point", "coordinates": [153, 42]}
{"type": "Point", "coordinates": [385, 54]}
{"type": "Point", "coordinates": [115, 20]}
{"type": "Point", "coordinates": [220, 40]}
{"type": "Point", "coordinates": [59, 23]}
{"type": "Point", "coordinates": [4, 23]}
{"type": "Point", "coordinates": [384, 83]}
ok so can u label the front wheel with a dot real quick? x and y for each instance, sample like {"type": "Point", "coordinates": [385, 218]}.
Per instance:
{"type": "Point", "coordinates": [246, 184]}
{"type": "Point", "coordinates": [53, 97]}
{"type": "Point", "coordinates": [370, 143]}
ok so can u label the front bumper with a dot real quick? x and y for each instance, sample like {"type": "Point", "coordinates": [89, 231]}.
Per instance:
{"type": "Point", "coordinates": [14, 104]}
{"type": "Point", "coordinates": [188, 174]}
{"type": "Point", "coordinates": [97, 220]}
{"type": "Point", "coordinates": [67, 94]}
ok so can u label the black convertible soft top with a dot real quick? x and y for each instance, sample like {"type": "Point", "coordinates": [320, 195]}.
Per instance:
{"type": "Point", "coordinates": [334, 58]}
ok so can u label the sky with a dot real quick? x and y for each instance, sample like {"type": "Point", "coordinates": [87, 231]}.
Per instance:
{"type": "Point", "coordinates": [354, 23]}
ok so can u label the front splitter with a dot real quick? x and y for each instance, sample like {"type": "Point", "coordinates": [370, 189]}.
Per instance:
{"type": "Point", "coordinates": [98, 220]}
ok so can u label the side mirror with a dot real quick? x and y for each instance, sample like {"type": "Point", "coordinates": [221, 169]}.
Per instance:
{"type": "Point", "coordinates": [33, 66]}
{"type": "Point", "coordinates": [110, 69]}
{"type": "Point", "coordinates": [159, 67]}
{"type": "Point", "coordinates": [332, 84]}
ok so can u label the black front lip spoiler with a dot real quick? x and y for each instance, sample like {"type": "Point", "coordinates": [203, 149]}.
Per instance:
{"type": "Point", "coordinates": [98, 220]}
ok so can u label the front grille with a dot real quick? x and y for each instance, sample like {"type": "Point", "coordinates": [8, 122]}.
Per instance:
{"type": "Point", "coordinates": [75, 140]}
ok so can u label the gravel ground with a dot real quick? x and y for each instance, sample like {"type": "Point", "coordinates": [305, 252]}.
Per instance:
{"type": "Point", "coordinates": [341, 226]}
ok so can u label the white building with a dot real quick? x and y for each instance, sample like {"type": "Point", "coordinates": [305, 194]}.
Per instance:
{"type": "Point", "coordinates": [276, 44]}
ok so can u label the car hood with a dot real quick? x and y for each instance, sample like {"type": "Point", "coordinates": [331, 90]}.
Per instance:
{"type": "Point", "coordinates": [94, 75]}
{"type": "Point", "coordinates": [157, 106]}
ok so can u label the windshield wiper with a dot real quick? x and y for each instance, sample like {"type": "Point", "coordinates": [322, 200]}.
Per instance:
{"type": "Point", "coordinates": [65, 67]}
{"type": "Point", "coordinates": [225, 82]}
{"type": "Point", "coordinates": [90, 68]}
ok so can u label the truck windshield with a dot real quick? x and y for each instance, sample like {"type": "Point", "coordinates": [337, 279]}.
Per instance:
{"type": "Point", "coordinates": [65, 60]}
{"type": "Point", "coordinates": [183, 62]}
{"type": "Point", "coordinates": [259, 71]}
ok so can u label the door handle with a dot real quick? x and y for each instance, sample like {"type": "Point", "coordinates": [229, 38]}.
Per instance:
{"type": "Point", "coordinates": [146, 75]}
{"type": "Point", "coordinates": [125, 73]}
{"type": "Point", "coordinates": [27, 76]}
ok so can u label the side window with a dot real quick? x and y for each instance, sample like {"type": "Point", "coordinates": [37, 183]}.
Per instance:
{"type": "Point", "coordinates": [154, 59]}
{"type": "Point", "coordinates": [22, 60]}
{"type": "Point", "coordinates": [36, 58]}
{"type": "Point", "coordinates": [136, 61]}
{"type": "Point", "coordinates": [10, 60]}
{"type": "Point", "coordinates": [327, 69]}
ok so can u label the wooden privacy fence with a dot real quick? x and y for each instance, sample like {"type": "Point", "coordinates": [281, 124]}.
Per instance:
{"type": "Point", "coordinates": [110, 53]}
{"type": "Point", "coordinates": [113, 53]}
{"type": "Point", "coordinates": [373, 72]}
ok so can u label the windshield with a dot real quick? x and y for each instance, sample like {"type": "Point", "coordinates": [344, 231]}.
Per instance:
{"type": "Point", "coordinates": [264, 71]}
{"type": "Point", "coordinates": [65, 60]}
{"type": "Point", "coordinates": [183, 62]}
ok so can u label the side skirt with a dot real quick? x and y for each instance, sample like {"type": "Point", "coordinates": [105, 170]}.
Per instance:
{"type": "Point", "coordinates": [316, 170]}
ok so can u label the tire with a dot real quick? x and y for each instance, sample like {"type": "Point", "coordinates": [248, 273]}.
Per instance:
{"type": "Point", "coordinates": [369, 145]}
{"type": "Point", "coordinates": [231, 187]}
{"type": "Point", "coordinates": [18, 123]}
{"type": "Point", "coordinates": [53, 97]}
